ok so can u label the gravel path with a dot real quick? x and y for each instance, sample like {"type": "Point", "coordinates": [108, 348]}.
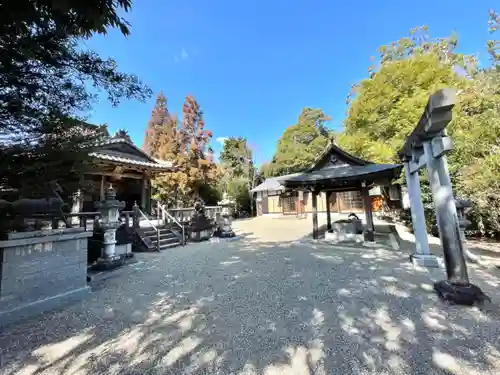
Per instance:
{"type": "Point", "coordinates": [250, 306]}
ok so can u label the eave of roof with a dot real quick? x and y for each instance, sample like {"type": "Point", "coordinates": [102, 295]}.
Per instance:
{"type": "Point", "coordinates": [154, 163]}
{"type": "Point", "coordinates": [117, 159]}
{"type": "Point", "coordinates": [342, 173]}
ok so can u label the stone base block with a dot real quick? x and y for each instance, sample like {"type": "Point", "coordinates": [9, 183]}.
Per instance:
{"type": "Point", "coordinates": [224, 233]}
{"type": "Point", "coordinates": [467, 295]}
{"type": "Point", "coordinates": [425, 260]}
{"type": "Point", "coordinates": [29, 310]}
{"type": "Point", "coordinates": [124, 250]}
{"type": "Point", "coordinates": [111, 263]}
{"type": "Point", "coordinates": [201, 235]}
{"type": "Point", "coordinates": [338, 236]}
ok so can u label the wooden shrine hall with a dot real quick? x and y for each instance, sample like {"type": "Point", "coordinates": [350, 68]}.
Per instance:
{"type": "Point", "coordinates": [336, 171]}
{"type": "Point", "coordinates": [120, 163]}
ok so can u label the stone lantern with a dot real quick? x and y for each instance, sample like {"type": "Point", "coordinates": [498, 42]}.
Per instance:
{"type": "Point", "coordinates": [224, 220]}
{"type": "Point", "coordinates": [109, 223]}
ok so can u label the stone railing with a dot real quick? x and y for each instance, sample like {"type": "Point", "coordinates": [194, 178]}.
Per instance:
{"type": "Point", "coordinates": [184, 215]}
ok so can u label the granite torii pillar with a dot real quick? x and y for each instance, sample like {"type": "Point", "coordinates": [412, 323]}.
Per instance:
{"type": "Point", "coordinates": [426, 147]}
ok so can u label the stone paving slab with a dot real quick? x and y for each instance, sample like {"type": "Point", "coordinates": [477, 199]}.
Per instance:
{"type": "Point", "coordinates": [250, 306]}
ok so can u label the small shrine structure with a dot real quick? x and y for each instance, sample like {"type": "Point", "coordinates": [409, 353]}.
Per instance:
{"type": "Point", "coordinates": [335, 171]}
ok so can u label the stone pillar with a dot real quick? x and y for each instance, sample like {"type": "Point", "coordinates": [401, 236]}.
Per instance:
{"type": "Point", "coordinates": [315, 214]}
{"type": "Point", "coordinates": [76, 207]}
{"type": "Point", "coordinates": [446, 216]}
{"type": "Point", "coordinates": [422, 255]}
{"type": "Point", "coordinates": [367, 202]}
{"type": "Point", "coordinates": [328, 216]}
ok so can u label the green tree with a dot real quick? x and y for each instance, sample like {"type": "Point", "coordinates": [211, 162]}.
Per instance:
{"type": "Point", "coordinates": [239, 173]}
{"type": "Point", "coordinates": [385, 107]}
{"type": "Point", "coordinates": [45, 75]}
{"type": "Point", "coordinates": [494, 45]}
{"type": "Point", "coordinates": [300, 144]}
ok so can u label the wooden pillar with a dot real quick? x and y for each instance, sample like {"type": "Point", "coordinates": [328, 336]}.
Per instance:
{"type": "Point", "coordinates": [367, 202]}
{"type": "Point", "coordinates": [144, 184]}
{"type": "Point", "coordinates": [103, 182]}
{"type": "Point", "coordinates": [328, 217]}
{"type": "Point", "coordinates": [315, 214]}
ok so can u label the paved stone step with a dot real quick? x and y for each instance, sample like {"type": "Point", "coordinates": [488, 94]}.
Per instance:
{"type": "Point", "coordinates": [170, 245]}
{"type": "Point", "coordinates": [164, 245]}
{"type": "Point", "coordinates": [150, 232]}
{"type": "Point", "coordinates": [165, 240]}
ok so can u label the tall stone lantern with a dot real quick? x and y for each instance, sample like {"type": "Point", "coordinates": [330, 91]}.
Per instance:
{"type": "Point", "coordinates": [110, 212]}
{"type": "Point", "coordinates": [224, 218]}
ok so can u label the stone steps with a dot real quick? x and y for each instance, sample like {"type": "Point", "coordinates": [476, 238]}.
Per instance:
{"type": "Point", "coordinates": [167, 239]}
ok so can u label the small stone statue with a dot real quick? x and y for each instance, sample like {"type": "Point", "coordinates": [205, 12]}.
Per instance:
{"type": "Point", "coordinates": [200, 227]}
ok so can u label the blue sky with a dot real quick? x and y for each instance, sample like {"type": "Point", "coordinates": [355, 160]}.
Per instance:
{"type": "Point", "coordinates": [252, 65]}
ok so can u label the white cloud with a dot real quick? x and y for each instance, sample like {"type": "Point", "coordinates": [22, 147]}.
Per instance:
{"type": "Point", "coordinates": [184, 54]}
{"type": "Point", "coordinates": [176, 59]}
{"type": "Point", "coordinates": [221, 140]}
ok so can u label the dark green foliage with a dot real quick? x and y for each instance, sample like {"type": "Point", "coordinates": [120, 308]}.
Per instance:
{"type": "Point", "coordinates": [238, 173]}
{"type": "Point", "coordinates": [44, 75]}
{"type": "Point", "coordinates": [300, 144]}
{"type": "Point", "coordinates": [386, 106]}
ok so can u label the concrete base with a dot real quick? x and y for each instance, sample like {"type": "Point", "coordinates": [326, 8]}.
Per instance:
{"type": "Point", "coordinates": [467, 295]}
{"type": "Point", "coordinates": [103, 264]}
{"type": "Point", "coordinates": [124, 250]}
{"type": "Point", "coordinates": [41, 270]}
{"type": "Point", "coordinates": [202, 235]}
{"type": "Point", "coordinates": [338, 236]}
{"type": "Point", "coordinates": [425, 260]}
{"type": "Point", "coordinates": [48, 304]}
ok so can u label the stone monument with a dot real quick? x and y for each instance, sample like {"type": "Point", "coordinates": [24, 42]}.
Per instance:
{"type": "Point", "coordinates": [106, 229]}
{"type": "Point", "coordinates": [200, 227]}
{"type": "Point", "coordinates": [224, 218]}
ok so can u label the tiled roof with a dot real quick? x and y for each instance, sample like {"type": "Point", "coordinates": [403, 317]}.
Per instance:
{"type": "Point", "coordinates": [123, 159]}
{"type": "Point", "coordinates": [273, 183]}
{"type": "Point", "coordinates": [344, 173]}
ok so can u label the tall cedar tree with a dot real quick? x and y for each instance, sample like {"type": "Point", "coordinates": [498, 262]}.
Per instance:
{"type": "Point", "coordinates": [187, 146]}
{"type": "Point", "coordinates": [159, 118]}
{"type": "Point", "coordinates": [239, 173]}
{"type": "Point", "coordinates": [199, 164]}
{"type": "Point", "coordinates": [44, 75]}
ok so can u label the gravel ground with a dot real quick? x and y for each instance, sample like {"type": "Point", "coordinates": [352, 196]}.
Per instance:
{"type": "Point", "coordinates": [254, 306]}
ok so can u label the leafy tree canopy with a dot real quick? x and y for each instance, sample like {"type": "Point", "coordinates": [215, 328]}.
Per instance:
{"type": "Point", "coordinates": [300, 144]}
{"type": "Point", "coordinates": [45, 75]}
{"type": "Point", "coordinates": [386, 107]}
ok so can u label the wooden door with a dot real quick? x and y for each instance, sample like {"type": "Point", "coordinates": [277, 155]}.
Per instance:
{"type": "Point", "coordinates": [350, 201]}
{"type": "Point", "coordinates": [289, 204]}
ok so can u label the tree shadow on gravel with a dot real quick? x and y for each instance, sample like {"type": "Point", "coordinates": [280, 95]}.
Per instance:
{"type": "Point", "coordinates": [246, 307]}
